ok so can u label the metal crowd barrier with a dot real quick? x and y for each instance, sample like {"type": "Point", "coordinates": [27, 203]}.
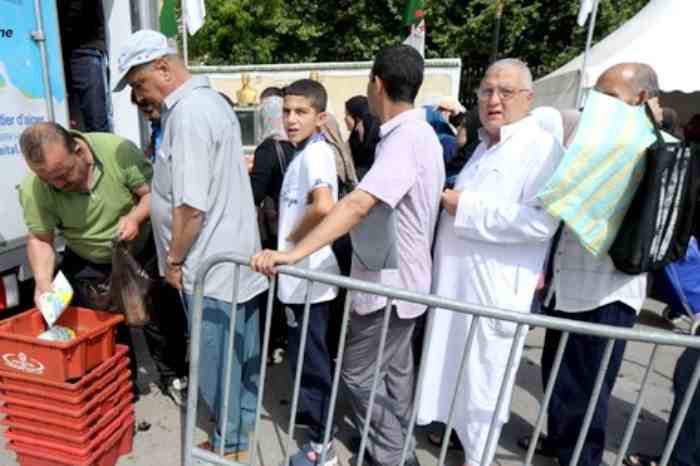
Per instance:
{"type": "Point", "coordinates": [523, 320]}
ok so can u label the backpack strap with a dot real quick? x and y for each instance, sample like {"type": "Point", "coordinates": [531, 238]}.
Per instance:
{"type": "Point", "coordinates": [280, 156]}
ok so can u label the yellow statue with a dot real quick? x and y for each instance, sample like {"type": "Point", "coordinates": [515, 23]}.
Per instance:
{"type": "Point", "coordinates": [246, 95]}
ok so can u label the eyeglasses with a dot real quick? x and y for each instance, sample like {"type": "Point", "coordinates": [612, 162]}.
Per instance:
{"type": "Point", "coordinates": [504, 93]}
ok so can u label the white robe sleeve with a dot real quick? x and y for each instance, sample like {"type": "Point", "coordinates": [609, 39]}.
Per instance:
{"type": "Point", "coordinates": [486, 218]}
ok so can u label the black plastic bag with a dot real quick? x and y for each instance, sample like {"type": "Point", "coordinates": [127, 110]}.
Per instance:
{"type": "Point", "coordinates": [129, 287]}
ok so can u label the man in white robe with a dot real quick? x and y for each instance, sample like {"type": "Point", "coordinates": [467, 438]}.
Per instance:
{"type": "Point", "coordinates": [491, 244]}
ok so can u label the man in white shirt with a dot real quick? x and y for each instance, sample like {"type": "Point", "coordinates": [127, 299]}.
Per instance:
{"type": "Point", "coordinates": [491, 244]}
{"type": "Point", "coordinates": [589, 289]}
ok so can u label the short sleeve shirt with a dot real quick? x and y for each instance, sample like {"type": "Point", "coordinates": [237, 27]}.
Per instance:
{"type": "Point", "coordinates": [311, 168]}
{"type": "Point", "coordinates": [408, 175]}
{"type": "Point", "coordinates": [200, 164]}
{"type": "Point", "coordinates": [88, 221]}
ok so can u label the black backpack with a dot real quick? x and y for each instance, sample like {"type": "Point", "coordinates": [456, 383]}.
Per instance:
{"type": "Point", "coordinates": [658, 224]}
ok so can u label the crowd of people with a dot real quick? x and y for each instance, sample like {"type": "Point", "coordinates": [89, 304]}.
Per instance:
{"type": "Point", "coordinates": [409, 201]}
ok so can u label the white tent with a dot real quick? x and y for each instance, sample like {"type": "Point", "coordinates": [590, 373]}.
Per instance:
{"type": "Point", "coordinates": [663, 34]}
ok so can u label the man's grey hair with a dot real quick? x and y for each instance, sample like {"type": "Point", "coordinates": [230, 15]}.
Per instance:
{"type": "Point", "coordinates": [34, 140]}
{"type": "Point", "coordinates": [646, 79]}
{"type": "Point", "coordinates": [516, 63]}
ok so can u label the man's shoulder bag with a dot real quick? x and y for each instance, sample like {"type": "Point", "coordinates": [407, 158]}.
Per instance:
{"type": "Point", "coordinates": [657, 226]}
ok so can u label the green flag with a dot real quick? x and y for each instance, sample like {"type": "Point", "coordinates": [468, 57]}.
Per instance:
{"type": "Point", "coordinates": [415, 17]}
{"type": "Point", "coordinates": [168, 21]}
{"type": "Point", "coordinates": [414, 12]}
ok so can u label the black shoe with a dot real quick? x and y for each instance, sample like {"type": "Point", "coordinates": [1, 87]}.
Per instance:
{"type": "Point", "coordinates": [412, 461]}
{"type": "Point", "coordinates": [544, 446]}
{"type": "Point", "coordinates": [436, 439]}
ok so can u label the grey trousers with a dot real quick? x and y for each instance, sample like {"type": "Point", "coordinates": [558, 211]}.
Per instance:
{"type": "Point", "coordinates": [392, 403]}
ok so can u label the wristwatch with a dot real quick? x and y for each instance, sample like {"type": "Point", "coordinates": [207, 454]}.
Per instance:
{"type": "Point", "coordinates": [169, 260]}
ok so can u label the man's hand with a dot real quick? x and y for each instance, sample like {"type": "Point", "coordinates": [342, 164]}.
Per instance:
{"type": "Point", "coordinates": [39, 290]}
{"type": "Point", "coordinates": [450, 201]}
{"type": "Point", "coordinates": [265, 261]}
{"type": "Point", "coordinates": [127, 229]}
{"type": "Point", "coordinates": [249, 162]}
{"type": "Point", "coordinates": [173, 275]}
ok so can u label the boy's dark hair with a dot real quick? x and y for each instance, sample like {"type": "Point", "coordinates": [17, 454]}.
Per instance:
{"type": "Point", "coordinates": [271, 91]}
{"type": "Point", "coordinates": [400, 67]}
{"type": "Point", "coordinates": [312, 90]}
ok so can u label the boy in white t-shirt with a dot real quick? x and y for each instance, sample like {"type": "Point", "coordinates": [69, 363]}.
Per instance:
{"type": "Point", "coordinates": [309, 191]}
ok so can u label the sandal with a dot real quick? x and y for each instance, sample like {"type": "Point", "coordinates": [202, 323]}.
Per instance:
{"type": "Point", "coordinates": [436, 439]}
{"type": "Point", "coordinates": [544, 447]}
{"type": "Point", "coordinates": [639, 459]}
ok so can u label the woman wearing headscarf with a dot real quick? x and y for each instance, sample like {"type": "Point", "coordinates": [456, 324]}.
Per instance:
{"type": "Point", "coordinates": [274, 151]}
{"type": "Point", "coordinates": [364, 133]}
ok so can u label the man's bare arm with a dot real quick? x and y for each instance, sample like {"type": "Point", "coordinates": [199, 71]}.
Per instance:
{"type": "Point", "coordinates": [347, 213]}
{"type": "Point", "coordinates": [187, 223]}
{"type": "Point", "coordinates": [321, 204]}
{"type": "Point", "coordinates": [128, 228]}
{"type": "Point", "coordinates": [42, 260]}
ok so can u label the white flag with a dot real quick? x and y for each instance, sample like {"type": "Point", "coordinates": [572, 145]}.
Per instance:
{"type": "Point", "coordinates": [417, 37]}
{"type": "Point", "coordinates": [584, 11]}
{"type": "Point", "coordinates": [194, 14]}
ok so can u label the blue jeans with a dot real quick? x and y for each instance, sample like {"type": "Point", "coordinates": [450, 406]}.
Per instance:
{"type": "Point", "coordinates": [88, 81]}
{"type": "Point", "coordinates": [245, 371]}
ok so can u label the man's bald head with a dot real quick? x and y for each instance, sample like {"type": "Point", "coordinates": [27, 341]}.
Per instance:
{"type": "Point", "coordinates": [633, 83]}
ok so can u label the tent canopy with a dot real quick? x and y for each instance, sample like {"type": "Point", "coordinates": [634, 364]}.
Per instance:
{"type": "Point", "coordinates": [656, 35]}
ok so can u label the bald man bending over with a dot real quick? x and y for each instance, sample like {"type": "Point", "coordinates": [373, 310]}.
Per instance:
{"type": "Point", "coordinates": [589, 289]}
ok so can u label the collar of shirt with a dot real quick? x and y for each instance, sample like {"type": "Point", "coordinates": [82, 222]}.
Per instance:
{"type": "Point", "coordinates": [507, 131]}
{"type": "Point", "coordinates": [396, 121]}
{"type": "Point", "coordinates": [316, 137]}
{"type": "Point", "coordinates": [181, 92]}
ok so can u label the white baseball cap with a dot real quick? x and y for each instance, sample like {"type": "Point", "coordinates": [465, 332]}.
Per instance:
{"type": "Point", "coordinates": [141, 47]}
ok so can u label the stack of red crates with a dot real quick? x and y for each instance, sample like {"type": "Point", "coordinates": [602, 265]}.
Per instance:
{"type": "Point", "coordinates": [66, 403]}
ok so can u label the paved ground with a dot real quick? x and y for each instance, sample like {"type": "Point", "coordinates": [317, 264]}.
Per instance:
{"type": "Point", "coordinates": [161, 444]}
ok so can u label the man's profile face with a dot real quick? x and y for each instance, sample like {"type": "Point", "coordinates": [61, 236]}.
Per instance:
{"type": "Point", "coordinates": [502, 99]}
{"type": "Point", "coordinates": [146, 85]}
{"type": "Point", "coordinates": [64, 169]}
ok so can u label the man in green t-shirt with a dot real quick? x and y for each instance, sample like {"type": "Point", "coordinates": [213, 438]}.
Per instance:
{"type": "Point", "coordinates": [95, 188]}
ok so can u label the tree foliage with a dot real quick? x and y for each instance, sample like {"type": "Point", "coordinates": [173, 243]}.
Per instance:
{"type": "Point", "coordinates": [544, 33]}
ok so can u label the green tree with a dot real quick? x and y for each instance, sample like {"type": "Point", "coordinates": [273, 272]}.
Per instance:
{"type": "Point", "coordinates": [544, 33]}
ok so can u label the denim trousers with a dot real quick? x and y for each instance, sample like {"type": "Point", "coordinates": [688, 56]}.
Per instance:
{"type": "Point", "coordinates": [245, 370]}
{"type": "Point", "coordinates": [88, 81]}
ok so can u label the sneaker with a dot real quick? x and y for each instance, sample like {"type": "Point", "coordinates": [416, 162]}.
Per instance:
{"type": "Point", "coordinates": [314, 450]}
{"type": "Point", "coordinates": [674, 318]}
{"type": "Point", "coordinates": [176, 390]}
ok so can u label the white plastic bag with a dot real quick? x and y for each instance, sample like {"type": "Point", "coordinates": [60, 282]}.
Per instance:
{"type": "Point", "coordinates": [53, 304]}
{"type": "Point", "coordinates": [58, 333]}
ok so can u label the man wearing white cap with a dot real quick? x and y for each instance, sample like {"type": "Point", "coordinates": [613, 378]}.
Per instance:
{"type": "Point", "coordinates": [201, 205]}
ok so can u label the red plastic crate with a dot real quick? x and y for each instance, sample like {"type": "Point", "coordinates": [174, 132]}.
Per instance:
{"type": "Point", "coordinates": [78, 424]}
{"type": "Point", "coordinates": [64, 434]}
{"type": "Point", "coordinates": [67, 410]}
{"type": "Point", "coordinates": [81, 397]}
{"type": "Point", "coordinates": [22, 352]}
{"type": "Point", "coordinates": [116, 441]}
{"type": "Point", "coordinates": [70, 389]}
